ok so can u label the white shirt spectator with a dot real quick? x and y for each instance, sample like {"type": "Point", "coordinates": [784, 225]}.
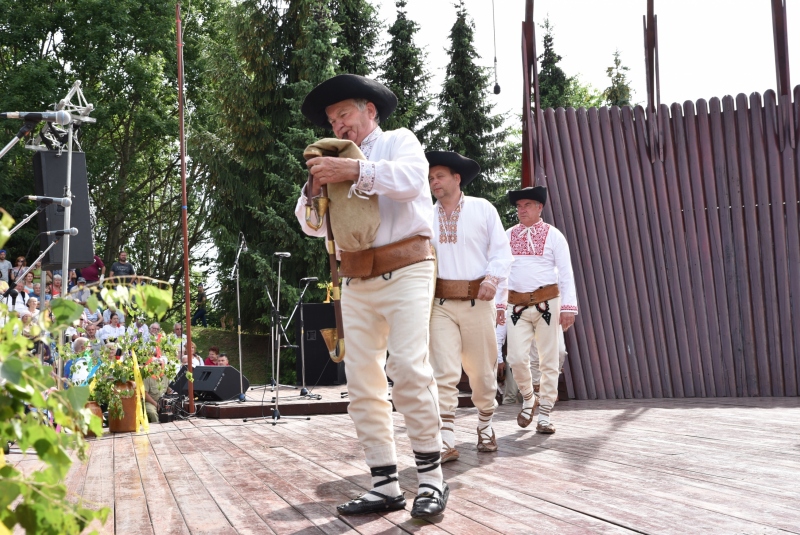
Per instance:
{"type": "Point", "coordinates": [109, 331]}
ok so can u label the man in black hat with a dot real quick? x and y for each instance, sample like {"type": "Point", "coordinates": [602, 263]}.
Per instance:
{"type": "Point", "coordinates": [386, 302]}
{"type": "Point", "coordinates": [473, 257]}
{"type": "Point", "coordinates": [541, 290]}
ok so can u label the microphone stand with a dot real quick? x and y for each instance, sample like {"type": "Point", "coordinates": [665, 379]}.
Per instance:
{"type": "Point", "coordinates": [26, 129]}
{"type": "Point", "coordinates": [27, 218]}
{"type": "Point", "coordinates": [235, 274]}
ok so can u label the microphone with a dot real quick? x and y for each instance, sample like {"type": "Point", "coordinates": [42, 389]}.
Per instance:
{"type": "Point", "coordinates": [309, 279]}
{"type": "Point", "coordinates": [284, 255]}
{"type": "Point", "coordinates": [244, 242]}
{"type": "Point", "coordinates": [60, 117]}
{"type": "Point", "coordinates": [66, 202]}
{"type": "Point", "coordinates": [71, 231]}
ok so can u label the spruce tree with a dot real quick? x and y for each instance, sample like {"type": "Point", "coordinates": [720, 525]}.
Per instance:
{"type": "Point", "coordinates": [619, 92]}
{"type": "Point", "coordinates": [465, 123]}
{"type": "Point", "coordinates": [554, 84]}
{"type": "Point", "coordinates": [405, 74]}
{"type": "Point", "coordinates": [359, 28]}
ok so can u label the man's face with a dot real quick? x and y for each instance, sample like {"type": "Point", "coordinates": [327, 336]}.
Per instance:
{"type": "Point", "coordinates": [529, 212]}
{"type": "Point", "coordinates": [154, 329]}
{"type": "Point", "coordinates": [177, 329]}
{"type": "Point", "coordinates": [91, 330]}
{"type": "Point", "coordinates": [444, 183]}
{"type": "Point", "coordinates": [223, 361]}
{"type": "Point", "coordinates": [123, 256]}
{"type": "Point", "coordinates": [36, 288]}
{"type": "Point", "coordinates": [348, 122]}
{"type": "Point", "coordinates": [2, 256]}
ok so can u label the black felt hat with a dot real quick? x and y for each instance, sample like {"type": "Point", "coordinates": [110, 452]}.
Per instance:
{"type": "Point", "coordinates": [468, 169]}
{"type": "Point", "coordinates": [538, 193]}
{"type": "Point", "coordinates": [343, 87]}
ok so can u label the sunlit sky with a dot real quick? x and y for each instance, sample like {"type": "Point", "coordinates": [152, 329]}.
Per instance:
{"type": "Point", "coordinates": [707, 47]}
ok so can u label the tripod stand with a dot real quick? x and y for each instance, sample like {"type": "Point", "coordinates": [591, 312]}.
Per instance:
{"type": "Point", "coordinates": [276, 331]}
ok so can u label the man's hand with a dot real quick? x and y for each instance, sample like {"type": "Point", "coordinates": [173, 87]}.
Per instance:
{"type": "Point", "coordinates": [328, 170]}
{"type": "Point", "coordinates": [486, 293]}
{"type": "Point", "coordinates": [566, 320]}
{"type": "Point", "coordinates": [501, 372]}
{"type": "Point", "coordinates": [501, 317]}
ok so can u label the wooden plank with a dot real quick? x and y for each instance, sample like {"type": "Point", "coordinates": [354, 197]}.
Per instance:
{"type": "Point", "coordinates": [603, 262]}
{"type": "Point", "coordinates": [791, 185]}
{"type": "Point", "coordinates": [662, 290]}
{"type": "Point", "coordinates": [614, 179]}
{"type": "Point", "coordinates": [98, 486]}
{"type": "Point", "coordinates": [690, 247]}
{"type": "Point", "coordinates": [712, 243]}
{"type": "Point", "coordinates": [767, 244]}
{"type": "Point", "coordinates": [598, 385]}
{"type": "Point", "coordinates": [782, 275]}
{"type": "Point", "coordinates": [680, 277]}
{"type": "Point", "coordinates": [130, 505]}
{"type": "Point", "coordinates": [740, 243]}
{"type": "Point", "coordinates": [754, 252]}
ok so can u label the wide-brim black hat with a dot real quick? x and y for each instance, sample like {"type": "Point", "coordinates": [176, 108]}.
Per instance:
{"type": "Point", "coordinates": [343, 87]}
{"type": "Point", "coordinates": [538, 193]}
{"type": "Point", "coordinates": [467, 168]}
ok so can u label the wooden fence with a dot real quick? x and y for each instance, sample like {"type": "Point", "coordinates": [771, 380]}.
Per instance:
{"type": "Point", "coordinates": [685, 246]}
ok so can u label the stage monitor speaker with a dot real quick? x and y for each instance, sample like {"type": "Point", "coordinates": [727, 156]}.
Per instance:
{"type": "Point", "coordinates": [212, 383]}
{"type": "Point", "coordinates": [320, 369]}
{"type": "Point", "coordinates": [50, 180]}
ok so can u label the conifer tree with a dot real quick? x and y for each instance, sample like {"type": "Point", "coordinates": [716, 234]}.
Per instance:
{"type": "Point", "coordinates": [465, 123]}
{"type": "Point", "coordinates": [405, 74]}
{"type": "Point", "coordinates": [619, 92]}
{"type": "Point", "coordinates": [359, 27]}
{"type": "Point", "coordinates": [553, 81]}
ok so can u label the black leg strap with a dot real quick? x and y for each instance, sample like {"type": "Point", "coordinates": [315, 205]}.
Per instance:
{"type": "Point", "coordinates": [427, 462]}
{"type": "Point", "coordinates": [389, 472]}
{"type": "Point", "coordinates": [432, 487]}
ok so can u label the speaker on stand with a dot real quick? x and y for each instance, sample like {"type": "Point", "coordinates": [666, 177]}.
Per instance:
{"type": "Point", "coordinates": [320, 369]}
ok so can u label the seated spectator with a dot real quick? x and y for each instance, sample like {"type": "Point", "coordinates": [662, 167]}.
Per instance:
{"type": "Point", "coordinates": [113, 330]}
{"type": "Point", "coordinates": [177, 330]}
{"type": "Point", "coordinates": [33, 308]}
{"type": "Point", "coordinates": [155, 387]}
{"type": "Point", "coordinates": [94, 342]}
{"type": "Point", "coordinates": [94, 273]}
{"type": "Point", "coordinates": [56, 290]}
{"type": "Point", "coordinates": [20, 265]}
{"type": "Point", "coordinates": [213, 356]}
{"type": "Point", "coordinates": [155, 330]}
{"type": "Point", "coordinates": [113, 310]}
{"type": "Point", "coordinates": [223, 360]}
{"type": "Point", "coordinates": [29, 282]}
{"type": "Point", "coordinates": [37, 288]}
{"type": "Point", "coordinates": [139, 330]}
{"type": "Point", "coordinates": [17, 299]}
{"type": "Point", "coordinates": [197, 360]}
{"type": "Point", "coordinates": [72, 281]}
{"type": "Point", "coordinates": [95, 318]}
{"type": "Point", "coordinates": [80, 293]}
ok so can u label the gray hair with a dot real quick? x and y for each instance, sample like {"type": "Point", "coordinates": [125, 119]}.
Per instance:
{"type": "Point", "coordinates": [361, 104]}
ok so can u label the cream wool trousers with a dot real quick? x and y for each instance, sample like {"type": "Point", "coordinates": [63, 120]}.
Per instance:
{"type": "Point", "coordinates": [393, 314]}
{"type": "Point", "coordinates": [529, 328]}
{"type": "Point", "coordinates": [463, 335]}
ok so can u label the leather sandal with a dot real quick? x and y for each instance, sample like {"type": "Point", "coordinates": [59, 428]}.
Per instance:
{"type": "Point", "coordinates": [430, 503]}
{"type": "Point", "coordinates": [546, 429]}
{"type": "Point", "coordinates": [485, 442]}
{"type": "Point", "coordinates": [362, 506]}
{"type": "Point", "coordinates": [449, 454]}
{"type": "Point", "coordinates": [523, 419]}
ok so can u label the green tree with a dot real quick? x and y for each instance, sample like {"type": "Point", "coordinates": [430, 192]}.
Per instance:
{"type": "Point", "coordinates": [465, 123]}
{"type": "Point", "coordinates": [619, 92]}
{"type": "Point", "coordinates": [554, 84]}
{"type": "Point", "coordinates": [580, 95]}
{"type": "Point", "coordinates": [405, 74]}
{"type": "Point", "coordinates": [359, 31]}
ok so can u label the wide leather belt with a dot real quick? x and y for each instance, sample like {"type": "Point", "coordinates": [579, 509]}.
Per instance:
{"type": "Point", "coordinates": [451, 289]}
{"type": "Point", "coordinates": [376, 261]}
{"type": "Point", "coordinates": [539, 295]}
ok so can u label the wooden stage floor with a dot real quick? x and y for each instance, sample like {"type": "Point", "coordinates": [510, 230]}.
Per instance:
{"type": "Point", "coordinates": [719, 466]}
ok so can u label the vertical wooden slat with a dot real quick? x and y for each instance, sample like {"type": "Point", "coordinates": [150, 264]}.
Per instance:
{"type": "Point", "coordinates": [771, 334]}
{"type": "Point", "coordinates": [719, 136]}
{"type": "Point", "coordinates": [689, 256]}
{"type": "Point", "coordinates": [601, 259]}
{"type": "Point", "coordinates": [782, 271]}
{"type": "Point", "coordinates": [739, 243]}
{"type": "Point", "coordinates": [791, 185]}
{"type": "Point", "coordinates": [607, 353]}
{"type": "Point", "coordinates": [613, 208]}
{"type": "Point", "coordinates": [661, 290]}
{"type": "Point", "coordinates": [643, 297]}
{"type": "Point", "coordinates": [601, 370]}
{"type": "Point", "coordinates": [665, 180]}
{"type": "Point", "coordinates": [711, 244]}
{"type": "Point", "coordinates": [753, 246]}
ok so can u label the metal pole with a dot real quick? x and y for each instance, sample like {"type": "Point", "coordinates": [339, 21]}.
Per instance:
{"type": "Point", "coordinates": [239, 328]}
{"type": "Point", "coordinates": [65, 245]}
{"type": "Point", "coordinates": [184, 206]}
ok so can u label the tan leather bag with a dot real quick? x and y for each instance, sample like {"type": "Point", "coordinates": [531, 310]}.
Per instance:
{"type": "Point", "coordinates": [354, 220]}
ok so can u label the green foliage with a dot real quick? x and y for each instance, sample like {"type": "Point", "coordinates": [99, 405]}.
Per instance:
{"type": "Point", "coordinates": [39, 417]}
{"type": "Point", "coordinates": [405, 74]}
{"type": "Point", "coordinates": [619, 92]}
{"type": "Point", "coordinates": [359, 31]}
{"type": "Point", "coordinates": [581, 95]}
{"type": "Point", "coordinates": [465, 123]}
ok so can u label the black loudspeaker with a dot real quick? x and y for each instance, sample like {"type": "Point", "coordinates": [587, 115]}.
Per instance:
{"type": "Point", "coordinates": [50, 179]}
{"type": "Point", "coordinates": [217, 383]}
{"type": "Point", "coordinates": [180, 383]}
{"type": "Point", "coordinates": [320, 369]}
